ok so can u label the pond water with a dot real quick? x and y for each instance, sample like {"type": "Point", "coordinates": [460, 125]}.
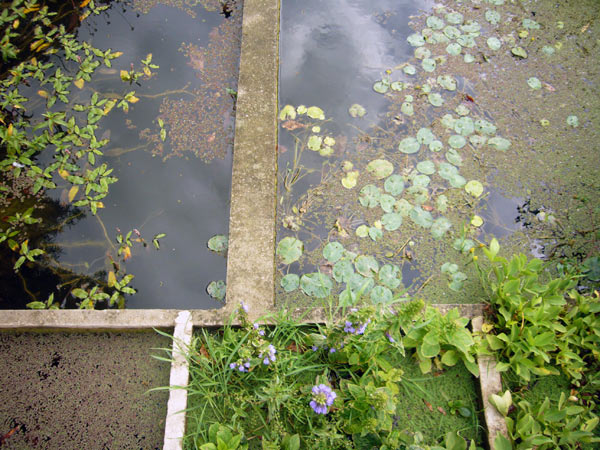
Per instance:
{"type": "Point", "coordinates": [176, 184]}
{"type": "Point", "coordinates": [411, 132]}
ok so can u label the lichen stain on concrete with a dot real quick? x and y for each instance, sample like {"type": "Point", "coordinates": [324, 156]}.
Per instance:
{"type": "Point", "coordinates": [83, 391]}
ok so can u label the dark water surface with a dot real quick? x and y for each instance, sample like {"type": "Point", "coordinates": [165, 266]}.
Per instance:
{"type": "Point", "coordinates": [180, 187]}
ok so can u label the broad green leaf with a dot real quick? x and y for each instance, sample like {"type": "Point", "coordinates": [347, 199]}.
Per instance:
{"type": "Point", "coordinates": [387, 203]}
{"type": "Point", "coordinates": [342, 270]}
{"type": "Point", "coordinates": [290, 249]}
{"type": "Point", "coordinates": [499, 143]}
{"type": "Point", "coordinates": [464, 126]}
{"type": "Point", "coordinates": [501, 403]}
{"type": "Point", "coordinates": [314, 112]}
{"type": "Point", "coordinates": [314, 143]}
{"type": "Point", "coordinates": [519, 51]}
{"type": "Point", "coordinates": [424, 136]}
{"type": "Point", "coordinates": [492, 16]}
{"type": "Point", "coordinates": [357, 110]}
{"type": "Point", "coordinates": [435, 99]}
{"type": "Point", "coordinates": [375, 233]}
{"type": "Point", "coordinates": [362, 231]}
{"type": "Point", "coordinates": [428, 64]}
{"type": "Point", "coordinates": [421, 217]}
{"type": "Point", "coordinates": [448, 82]}
{"type": "Point", "coordinates": [457, 141]}
{"type": "Point", "coordinates": [218, 243]}
{"type": "Point", "coordinates": [369, 196]}
{"type": "Point", "coordinates": [439, 227]}
{"type": "Point", "coordinates": [485, 127]}
{"type": "Point", "coordinates": [453, 49]}
{"type": "Point", "coordinates": [366, 265]}
{"type": "Point", "coordinates": [381, 87]}
{"type": "Point", "coordinates": [454, 157]}
{"type": "Point", "coordinates": [426, 167]}
{"type": "Point", "coordinates": [388, 276]}
{"type": "Point", "coordinates": [573, 121]}
{"type": "Point", "coordinates": [380, 168]}
{"type": "Point", "coordinates": [454, 18]}
{"type": "Point", "coordinates": [350, 180]}
{"type": "Point", "coordinates": [475, 188]}
{"type": "Point", "coordinates": [435, 23]}
{"type": "Point", "coordinates": [391, 221]}
{"type": "Point", "coordinates": [216, 289]}
{"type": "Point", "coordinates": [534, 83]}
{"type": "Point", "coordinates": [316, 285]}
{"type": "Point", "coordinates": [381, 294]}
{"type": "Point", "coordinates": [333, 251]}
{"type": "Point", "coordinates": [290, 282]}
{"type": "Point", "coordinates": [409, 145]}
{"type": "Point", "coordinates": [416, 40]}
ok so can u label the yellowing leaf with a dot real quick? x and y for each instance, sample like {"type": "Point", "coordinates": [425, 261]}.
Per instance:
{"type": "Point", "coordinates": [147, 71]}
{"type": "Point", "coordinates": [63, 173]}
{"type": "Point", "coordinates": [124, 75]}
{"type": "Point", "coordinates": [16, 24]}
{"type": "Point", "coordinates": [109, 105]}
{"type": "Point", "coordinates": [111, 279]}
{"type": "Point", "coordinates": [487, 327]}
{"type": "Point", "coordinates": [84, 16]}
{"type": "Point", "coordinates": [79, 83]}
{"type": "Point", "coordinates": [73, 192]}
{"type": "Point", "coordinates": [42, 47]}
{"type": "Point", "coordinates": [32, 9]}
{"type": "Point", "coordinates": [99, 205]}
{"type": "Point", "coordinates": [42, 93]}
{"type": "Point", "coordinates": [133, 99]}
{"type": "Point", "coordinates": [117, 54]}
{"type": "Point", "coordinates": [126, 253]}
{"type": "Point", "coordinates": [84, 3]}
{"type": "Point", "coordinates": [9, 131]}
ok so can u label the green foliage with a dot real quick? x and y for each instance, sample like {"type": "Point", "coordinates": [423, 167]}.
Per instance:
{"type": "Point", "coordinates": [221, 438]}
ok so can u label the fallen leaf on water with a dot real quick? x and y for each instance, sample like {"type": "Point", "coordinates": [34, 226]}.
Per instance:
{"type": "Point", "coordinates": [291, 125]}
{"type": "Point", "coordinates": [549, 87]}
{"type": "Point", "coordinates": [112, 279]}
{"type": "Point", "coordinates": [73, 192]}
{"type": "Point", "coordinates": [79, 83]}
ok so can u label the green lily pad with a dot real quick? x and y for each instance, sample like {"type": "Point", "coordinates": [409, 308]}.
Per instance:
{"type": "Point", "coordinates": [472, 27]}
{"type": "Point", "coordinates": [448, 121]}
{"type": "Point", "coordinates": [409, 145]}
{"type": "Point", "coordinates": [435, 23]}
{"type": "Point", "coordinates": [287, 112]}
{"type": "Point", "coordinates": [425, 136]}
{"type": "Point", "coordinates": [438, 37]}
{"type": "Point", "coordinates": [350, 180]}
{"type": "Point", "coordinates": [494, 43]}
{"type": "Point", "coordinates": [435, 99]}
{"type": "Point", "coordinates": [499, 143]}
{"type": "Point", "coordinates": [453, 49]}
{"type": "Point", "coordinates": [534, 83]}
{"type": "Point", "coordinates": [440, 227]}
{"type": "Point", "coordinates": [357, 110]}
{"type": "Point", "coordinates": [290, 249]}
{"type": "Point", "coordinates": [387, 202]}
{"type": "Point", "coordinates": [463, 245]}
{"type": "Point", "coordinates": [448, 82]}
{"type": "Point", "coordinates": [451, 32]}
{"type": "Point", "coordinates": [449, 268]}
{"type": "Point", "coordinates": [421, 180]}
{"type": "Point", "coordinates": [464, 126]}
{"type": "Point", "coordinates": [485, 127]}
{"type": "Point", "coordinates": [314, 112]}
{"type": "Point", "coordinates": [362, 231]}
{"type": "Point", "coordinates": [457, 141]}
{"type": "Point", "coordinates": [389, 276]}
{"type": "Point", "coordinates": [316, 285]}
{"type": "Point", "coordinates": [394, 184]}
{"type": "Point", "coordinates": [369, 196]}
{"type": "Point", "coordinates": [519, 51]}
{"type": "Point", "coordinates": [422, 53]}
{"type": "Point", "coordinates": [428, 64]}
{"type": "Point", "coordinates": [397, 86]}
{"type": "Point", "coordinates": [407, 108]}
{"type": "Point", "coordinates": [436, 146]}
{"type": "Point", "coordinates": [375, 233]}
{"type": "Point", "coordinates": [366, 265]}
{"type": "Point", "coordinates": [573, 121]}
{"type": "Point", "coordinates": [421, 217]}
{"type": "Point", "coordinates": [465, 40]}
{"type": "Point", "coordinates": [326, 151]}
{"type": "Point", "coordinates": [458, 279]}
{"type": "Point", "coordinates": [426, 167]}
{"type": "Point", "coordinates": [380, 168]}
{"type": "Point", "coordinates": [217, 289]}
{"type": "Point", "coordinates": [381, 87]}
{"type": "Point", "coordinates": [343, 270]}
{"type": "Point", "coordinates": [469, 58]}
{"type": "Point", "coordinates": [420, 194]}
{"type": "Point", "coordinates": [531, 24]}
{"type": "Point", "coordinates": [391, 221]}
{"type": "Point", "coordinates": [333, 251]}
{"type": "Point", "coordinates": [381, 294]}
{"type": "Point", "coordinates": [477, 141]}
{"type": "Point", "coordinates": [475, 188]}
{"type": "Point", "coordinates": [455, 18]}
{"type": "Point", "coordinates": [314, 143]}
{"type": "Point", "coordinates": [462, 110]}
{"type": "Point", "coordinates": [453, 157]}
{"type": "Point", "coordinates": [290, 282]}
{"type": "Point", "coordinates": [548, 50]}
{"type": "Point", "coordinates": [442, 203]}
{"type": "Point", "coordinates": [403, 207]}
{"type": "Point", "coordinates": [457, 181]}
{"type": "Point", "coordinates": [447, 171]}
{"type": "Point", "coordinates": [416, 40]}
{"type": "Point", "coordinates": [492, 16]}
{"type": "Point", "coordinates": [357, 283]}
{"type": "Point", "coordinates": [218, 243]}
{"type": "Point", "coordinates": [409, 69]}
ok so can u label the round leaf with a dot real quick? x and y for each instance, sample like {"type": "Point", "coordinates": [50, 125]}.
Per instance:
{"type": "Point", "coordinates": [366, 265]}
{"type": "Point", "coordinates": [435, 99]}
{"type": "Point", "coordinates": [409, 145]}
{"type": "Point", "coordinates": [474, 187]}
{"type": "Point", "coordinates": [426, 167]}
{"type": "Point", "coordinates": [290, 249]}
{"type": "Point", "coordinates": [342, 270]}
{"type": "Point", "coordinates": [381, 294]}
{"type": "Point", "coordinates": [290, 282]}
{"type": "Point", "coordinates": [387, 203]}
{"type": "Point", "coordinates": [369, 196]}
{"type": "Point", "coordinates": [216, 289]}
{"type": "Point", "coordinates": [388, 276]}
{"type": "Point", "coordinates": [421, 217]}
{"type": "Point", "coordinates": [356, 110]}
{"type": "Point", "coordinates": [380, 168]}
{"type": "Point", "coordinates": [333, 251]}
{"type": "Point", "coordinates": [391, 221]}
{"type": "Point", "coordinates": [440, 227]}
{"type": "Point", "coordinates": [316, 285]}
{"type": "Point", "coordinates": [218, 243]}
{"type": "Point", "coordinates": [394, 184]}
{"type": "Point", "coordinates": [457, 141]}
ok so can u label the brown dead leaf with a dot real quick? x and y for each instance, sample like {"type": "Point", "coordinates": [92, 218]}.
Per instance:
{"type": "Point", "coordinates": [442, 410]}
{"type": "Point", "coordinates": [293, 348]}
{"type": "Point", "coordinates": [549, 87]}
{"type": "Point", "coordinates": [282, 148]}
{"type": "Point", "coordinates": [202, 350]}
{"type": "Point", "coordinates": [427, 207]}
{"type": "Point", "coordinates": [292, 125]}
{"type": "Point", "coordinates": [429, 407]}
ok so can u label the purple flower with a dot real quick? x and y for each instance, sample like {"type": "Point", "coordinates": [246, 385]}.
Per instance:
{"type": "Point", "coordinates": [348, 328]}
{"type": "Point", "coordinates": [255, 326]}
{"type": "Point", "coordinates": [322, 398]}
{"type": "Point", "coordinates": [332, 350]}
{"type": "Point", "coordinates": [363, 327]}
{"type": "Point", "coordinates": [315, 348]}
{"type": "Point", "coordinates": [232, 365]}
{"type": "Point", "coordinates": [244, 307]}
{"type": "Point", "coordinates": [270, 357]}
{"type": "Point", "coordinates": [261, 332]}
{"type": "Point", "coordinates": [390, 338]}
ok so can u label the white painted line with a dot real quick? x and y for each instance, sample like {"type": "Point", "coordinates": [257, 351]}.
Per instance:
{"type": "Point", "coordinates": [175, 423]}
{"type": "Point", "coordinates": [490, 383]}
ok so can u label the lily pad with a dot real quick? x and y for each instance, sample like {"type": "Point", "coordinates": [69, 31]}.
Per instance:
{"type": "Point", "coordinates": [458, 279]}
{"type": "Point", "coordinates": [440, 227]}
{"type": "Point", "coordinates": [366, 265]}
{"type": "Point", "coordinates": [534, 83]}
{"type": "Point", "coordinates": [447, 171]}
{"type": "Point", "coordinates": [422, 53]}
{"type": "Point", "coordinates": [314, 143]}
{"type": "Point", "coordinates": [357, 110]}
{"type": "Point", "coordinates": [457, 141]}
{"type": "Point", "coordinates": [426, 167]}
{"type": "Point", "coordinates": [290, 282]}
{"type": "Point", "coordinates": [357, 283]}
{"type": "Point", "coordinates": [290, 249]}
{"type": "Point", "coordinates": [436, 146]}
{"type": "Point", "coordinates": [451, 32]}
{"type": "Point", "coordinates": [499, 143]}
{"type": "Point", "coordinates": [381, 87]}
{"type": "Point", "coordinates": [435, 23]}
{"type": "Point", "coordinates": [409, 69]}
{"type": "Point", "coordinates": [531, 24]}
{"type": "Point", "coordinates": [453, 157]}
{"type": "Point", "coordinates": [453, 49]}
{"type": "Point", "coordinates": [420, 194]}
{"type": "Point", "coordinates": [394, 184]}
{"type": "Point", "coordinates": [448, 82]}
{"type": "Point", "coordinates": [425, 136]}
{"type": "Point", "coordinates": [455, 18]}
{"type": "Point", "coordinates": [449, 268]}
{"type": "Point", "coordinates": [380, 168]}
{"type": "Point", "coordinates": [476, 221]}
{"type": "Point", "coordinates": [462, 110]}
{"type": "Point", "coordinates": [314, 112]}
{"type": "Point", "coordinates": [573, 121]}
{"type": "Point", "coordinates": [475, 188]}
{"type": "Point", "coordinates": [316, 285]}
{"type": "Point", "coordinates": [403, 207]}
{"type": "Point", "coordinates": [494, 43]}
{"type": "Point", "coordinates": [387, 203]}
{"type": "Point", "coordinates": [391, 221]}
{"type": "Point", "coordinates": [343, 270]}
{"type": "Point", "coordinates": [469, 58]}
{"type": "Point", "coordinates": [421, 180]}
{"type": "Point", "coordinates": [217, 289]}
{"type": "Point", "coordinates": [333, 251]}
{"type": "Point", "coordinates": [519, 51]}
{"type": "Point", "coordinates": [409, 145]}
{"type": "Point", "coordinates": [428, 64]}
{"type": "Point", "coordinates": [492, 16]}
{"type": "Point", "coordinates": [548, 50]}
{"type": "Point", "coordinates": [448, 121]}
{"type": "Point", "coordinates": [463, 245]}
{"type": "Point", "coordinates": [350, 180]}
{"type": "Point", "coordinates": [375, 233]}
{"type": "Point", "coordinates": [442, 203]}
{"type": "Point", "coordinates": [389, 276]}
{"type": "Point", "coordinates": [287, 112]}
{"type": "Point", "coordinates": [369, 196]}
{"type": "Point", "coordinates": [407, 108]}
{"type": "Point", "coordinates": [435, 99]}
{"type": "Point", "coordinates": [397, 86]}
{"type": "Point", "coordinates": [477, 141]}
{"type": "Point", "coordinates": [457, 181]}
{"type": "Point", "coordinates": [485, 127]}
{"type": "Point", "coordinates": [421, 217]}
{"type": "Point", "coordinates": [471, 27]}
{"type": "Point", "coordinates": [466, 41]}
{"type": "Point", "coordinates": [381, 294]}
{"type": "Point", "coordinates": [416, 40]}
{"type": "Point", "coordinates": [464, 126]}
{"type": "Point", "coordinates": [362, 231]}
{"type": "Point", "coordinates": [218, 243]}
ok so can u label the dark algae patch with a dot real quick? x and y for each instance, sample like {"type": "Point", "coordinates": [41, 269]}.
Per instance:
{"type": "Point", "coordinates": [75, 391]}
{"type": "Point", "coordinates": [482, 122]}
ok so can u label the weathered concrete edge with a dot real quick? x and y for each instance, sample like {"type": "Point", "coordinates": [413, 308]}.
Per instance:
{"type": "Point", "coordinates": [490, 383]}
{"type": "Point", "coordinates": [252, 222]}
{"type": "Point", "coordinates": [178, 381]}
